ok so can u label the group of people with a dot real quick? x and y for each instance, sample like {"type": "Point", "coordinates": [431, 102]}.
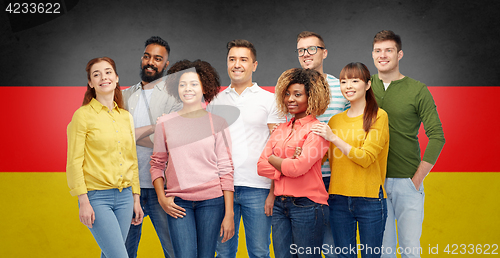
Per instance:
{"type": "Point", "coordinates": [317, 162]}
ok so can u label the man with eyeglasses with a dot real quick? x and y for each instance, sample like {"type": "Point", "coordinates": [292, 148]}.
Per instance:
{"type": "Point", "coordinates": [311, 52]}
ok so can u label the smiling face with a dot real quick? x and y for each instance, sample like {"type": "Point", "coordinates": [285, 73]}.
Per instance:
{"type": "Point", "coordinates": [296, 100]}
{"type": "Point", "coordinates": [153, 62]}
{"type": "Point", "coordinates": [308, 61]}
{"type": "Point", "coordinates": [354, 89]}
{"type": "Point", "coordinates": [190, 89]}
{"type": "Point", "coordinates": [103, 78]}
{"type": "Point", "coordinates": [240, 66]}
{"type": "Point", "coordinates": [386, 56]}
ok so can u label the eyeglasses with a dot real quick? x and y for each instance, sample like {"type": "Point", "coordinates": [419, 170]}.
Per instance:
{"type": "Point", "coordinates": [311, 50]}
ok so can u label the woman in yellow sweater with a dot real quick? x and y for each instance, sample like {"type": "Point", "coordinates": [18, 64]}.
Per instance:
{"type": "Point", "coordinates": [359, 145]}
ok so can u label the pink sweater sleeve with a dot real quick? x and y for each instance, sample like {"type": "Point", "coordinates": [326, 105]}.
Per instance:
{"type": "Point", "coordinates": [160, 154]}
{"type": "Point", "coordinates": [224, 160]}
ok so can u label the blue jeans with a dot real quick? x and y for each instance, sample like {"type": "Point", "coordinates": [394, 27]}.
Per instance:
{"type": "Point", "coordinates": [328, 237]}
{"type": "Point", "coordinates": [347, 214]}
{"type": "Point", "coordinates": [406, 205]}
{"type": "Point", "coordinates": [249, 203]}
{"type": "Point", "coordinates": [113, 214]}
{"type": "Point", "coordinates": [153, 209]}
{"type": "Point", "coordinates": [298, 227]}
{"type": "Point", "coordinates": [195, 235]}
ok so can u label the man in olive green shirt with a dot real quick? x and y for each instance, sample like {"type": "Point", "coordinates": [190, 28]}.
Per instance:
{"type": "Point", "coordinates": [408, 103]}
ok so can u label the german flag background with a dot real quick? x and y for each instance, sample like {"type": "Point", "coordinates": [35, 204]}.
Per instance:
{"type": "Point", "coordinates": [452, 46]}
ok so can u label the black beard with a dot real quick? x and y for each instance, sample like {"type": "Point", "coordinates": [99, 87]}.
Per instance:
{"type": "Point", "coordinates": [150, 78]}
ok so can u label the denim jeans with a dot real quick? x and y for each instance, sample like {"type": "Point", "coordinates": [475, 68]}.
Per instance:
{"type": "Point", "coordinates": [406, 205]}
{"type": "Point", "coordinates": [195, 235]}
{"type": "Point", "coordinates": [153, 209]}
{"type": "Point", "coordinates": [347, 214]}
{"type": "Point", "coordinates": [328, 237]}
{"type": "Point", "coordinates": [298, 227]}
{"type": "Point", "coordinates": [113, 214]}
{"type": "Point", "coordinates": [249, 203]}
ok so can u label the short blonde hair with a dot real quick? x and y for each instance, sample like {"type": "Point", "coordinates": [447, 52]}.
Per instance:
{"type": "Point", "coordinates": [307, 34]}
{"type": "Point", "coordinates": [316, 87]}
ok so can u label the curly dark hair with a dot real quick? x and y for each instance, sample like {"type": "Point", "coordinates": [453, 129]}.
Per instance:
{"type": "Point", "coordinates": [316, 87]}
{"type": "Point", "coordinates": [209, 78]}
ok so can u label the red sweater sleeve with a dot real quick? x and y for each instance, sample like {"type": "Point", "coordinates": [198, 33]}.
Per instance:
{"type": "Point", "coordinates": [264, 168]}
{"type": "Point", "coordinates": [313, 149]}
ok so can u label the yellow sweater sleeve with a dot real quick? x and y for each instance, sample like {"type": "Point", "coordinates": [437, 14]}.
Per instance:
{"type": "Point", "coordinates": [374, 142]}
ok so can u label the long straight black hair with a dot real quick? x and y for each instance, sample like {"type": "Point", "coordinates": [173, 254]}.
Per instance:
{"type": "Point", "coordinates": [360, 71]}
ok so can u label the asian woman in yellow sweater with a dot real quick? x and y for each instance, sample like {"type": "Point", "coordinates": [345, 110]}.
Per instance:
{"type": "Point", "coordinates": [358, 153]}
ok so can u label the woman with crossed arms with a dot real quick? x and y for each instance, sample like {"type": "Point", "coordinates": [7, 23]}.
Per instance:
{"type": "Point", "coordinates": [292, 157]}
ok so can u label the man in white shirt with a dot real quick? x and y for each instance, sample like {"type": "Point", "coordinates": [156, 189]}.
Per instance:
{"type": "Point", "coordinates": [253, 194]}
{"type": "Point", "coordinates": [146, 101]}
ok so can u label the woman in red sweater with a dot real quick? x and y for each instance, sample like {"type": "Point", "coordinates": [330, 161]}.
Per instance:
{"type": "Point", "coordinates": [292, 157]}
